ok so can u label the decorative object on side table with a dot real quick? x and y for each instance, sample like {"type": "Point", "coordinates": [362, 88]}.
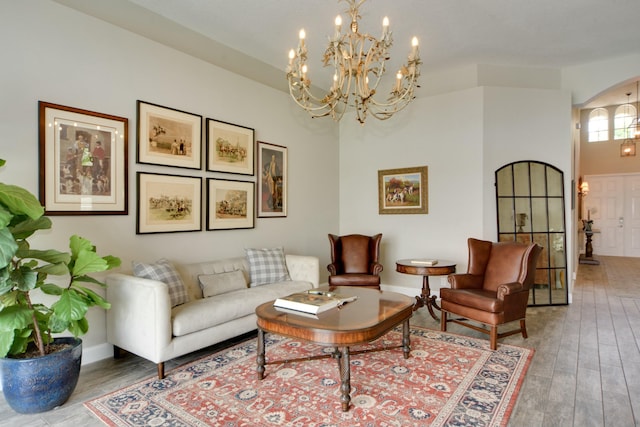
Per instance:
{"type": "Point", "coordinates": [38, 371]}
{"type": "Point", "coordinates": [403, 191]}
{"type": "Point", "coordinates": [587, 227]}
{"type": "Point", "coordinates": [83, 161]}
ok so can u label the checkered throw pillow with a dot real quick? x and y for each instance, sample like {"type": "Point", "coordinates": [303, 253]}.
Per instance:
{"type": "Point", "coordinates": [165, 272]}
{"type": "Point", "coordinates": [267, 266]}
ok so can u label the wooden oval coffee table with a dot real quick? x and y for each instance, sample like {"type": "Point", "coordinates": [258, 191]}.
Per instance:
{"type": "Point", "coordinates": [368, 318]}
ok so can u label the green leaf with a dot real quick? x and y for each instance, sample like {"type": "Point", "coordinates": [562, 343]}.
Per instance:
{"type": "Point", "coordinates": [88, 279]}
{"type": "Point", "coordinates": [95, 298]}
{"type": "Point", "coordinates": [77, 244]}
{"type": "Point", "coordinates": [112, 261]}
{"type": "Point", "coordinates": [5, 217]}
{"type": "Point", "coordinates": [70, 306]}
{"type": "Point", "coordinates": [14, 317]}
{"type": "Point", "coordinates": [6, 341]}
{"type": "Point", "coordinates": [23, 226]}
{"type": "Point", "coordinates": [88, 262]}
{"type": "Point", "coordinates": [2, 162]}
{"type": "Point", "coordinates": [8, 247]}
{"type": "Point", "coordinates": [24, 278]}
{"type": "Point", "coordinates": [54, 269]}
{"type": "Point", "coordinates": [51, 256]}
{"type": "Point", "coordinates": [20, 201]}
{"type": "Point", "coordinates": [78, 327]}
{"type": "Point", "coordinates": [51, 289]}
{"type": "Point", "coordinates": [57, 325]}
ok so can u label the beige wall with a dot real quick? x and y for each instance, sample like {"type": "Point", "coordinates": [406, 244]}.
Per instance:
{"type": "Point", "coordinates": [598, 158]}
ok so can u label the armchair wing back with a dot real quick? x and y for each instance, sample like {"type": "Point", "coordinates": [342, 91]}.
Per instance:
{"type": "Point", "coordinates": [495, 289]}
{"type": "Point", "coordinates": [354, 260]}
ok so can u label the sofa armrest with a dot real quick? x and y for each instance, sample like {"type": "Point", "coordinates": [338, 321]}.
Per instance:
{"type": "Point", "coordinates": [139, 320]}
{"type": "Point", "coordinates": [304, 268]}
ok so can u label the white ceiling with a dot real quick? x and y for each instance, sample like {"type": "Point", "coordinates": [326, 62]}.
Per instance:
{"type": "Point", "coordinates": [531, 33]}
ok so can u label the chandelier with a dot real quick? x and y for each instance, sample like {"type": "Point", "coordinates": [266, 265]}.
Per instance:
{"type": "Point", "coordinates": [628, 147]}
{"type": "Point", "coordinates": [359, 64]}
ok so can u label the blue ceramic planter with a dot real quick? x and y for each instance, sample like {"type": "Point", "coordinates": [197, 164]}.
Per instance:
{"type": "Point", "coordinates": [40, 384]}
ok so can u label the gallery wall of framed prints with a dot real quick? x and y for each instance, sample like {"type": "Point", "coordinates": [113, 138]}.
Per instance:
{"type": "Point", "coordinates": [231, 165]}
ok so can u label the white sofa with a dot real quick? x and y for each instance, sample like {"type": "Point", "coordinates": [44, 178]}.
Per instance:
{"type": "Point", "coordinates": [142, 321]}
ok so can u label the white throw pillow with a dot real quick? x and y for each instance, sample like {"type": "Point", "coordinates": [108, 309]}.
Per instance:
{"type": "Point", "coordinates": [165, 272]}
{"type": "Point", "coordinates": [221, 283]}
{"type": "Point", "coordinates": [267, 266]}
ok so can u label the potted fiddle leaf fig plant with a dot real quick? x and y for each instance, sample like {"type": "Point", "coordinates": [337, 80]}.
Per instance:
{"type": "Point", "coordinates": [40, 370]}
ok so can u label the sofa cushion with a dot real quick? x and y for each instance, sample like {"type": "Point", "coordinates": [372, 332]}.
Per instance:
{"type": "Point", "coordinates": [208, 312]}
{"type": "Point", "coordinates": [267, 266]}
{"type": "Point", "coordinates": [221, 283]}
{"type": "Point", "coordinates": [163, 271]}
{"type": "Point", "coordinates": [190, 272]}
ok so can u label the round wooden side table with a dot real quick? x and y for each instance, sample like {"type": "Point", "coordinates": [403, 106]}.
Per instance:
{"type": "Point", "coordinates": [411, 266]}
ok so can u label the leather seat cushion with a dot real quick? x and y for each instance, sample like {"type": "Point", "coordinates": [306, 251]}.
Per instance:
{"type": "Point", "coordinates": [475, 298]}
{"type": "Point", "coordinates": [354, 279]}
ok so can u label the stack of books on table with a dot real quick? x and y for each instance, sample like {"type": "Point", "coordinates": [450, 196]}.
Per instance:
{"type": "Point", "coordinates": [313, 301]}
{"type": "Point", "coordinates": [427, 262]}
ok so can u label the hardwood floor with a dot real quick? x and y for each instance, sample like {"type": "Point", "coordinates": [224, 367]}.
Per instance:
{"type": "Point", "coordinates": [585, 371]}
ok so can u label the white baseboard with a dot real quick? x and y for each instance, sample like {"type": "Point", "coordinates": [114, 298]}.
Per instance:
{"type": "Point", "coordinates": [96, 353]}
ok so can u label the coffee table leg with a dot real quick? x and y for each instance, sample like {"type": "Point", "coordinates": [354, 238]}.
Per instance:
{"type": "Point", "coordinates": [260, 357]}
{"type": "Point", "coordinates": [345, 379]}
{"type": "Point", "coordinates": [406, 339]}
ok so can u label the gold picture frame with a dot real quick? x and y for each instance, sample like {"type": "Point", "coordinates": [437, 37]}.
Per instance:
{"type": "Point", "coordinates": [403, 191]}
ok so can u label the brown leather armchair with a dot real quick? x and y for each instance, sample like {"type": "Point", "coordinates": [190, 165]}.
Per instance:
{"type": "Point", "coordinates": [354, 260]}
{"type": "Point", "coordinates": [495, 290]}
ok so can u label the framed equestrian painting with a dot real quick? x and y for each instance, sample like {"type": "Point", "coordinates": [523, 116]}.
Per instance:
{"type": "Point", "coordinates": [230, 204]}
{"type": "Point", "coordinates": [403, 191]}
{"type": "Point", "coordinates": [168, 203]}
{"type": "Point", "coordinates": [272, 180]}
{"type": "Point", "coordinates": [83, 161]}
{"type": "Point", "coordinates": [169, 137]}
{"type": "Point", "coordinates": [230, 148]}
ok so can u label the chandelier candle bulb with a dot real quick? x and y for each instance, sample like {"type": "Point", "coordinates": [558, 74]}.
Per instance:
{"type": "Point", "coordinates": [385, 26]}
{"type": "Point", "coordinates": [302, 36]}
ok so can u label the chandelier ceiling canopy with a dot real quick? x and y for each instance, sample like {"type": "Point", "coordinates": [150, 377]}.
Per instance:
{"type": "Point", "coordinates": [359, 61]}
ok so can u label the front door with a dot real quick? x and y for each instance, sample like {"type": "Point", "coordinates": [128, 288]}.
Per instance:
{"type": "Point", "coordinates": [631, 219]}
{"type": "Point", "coordinates": [613, 203]}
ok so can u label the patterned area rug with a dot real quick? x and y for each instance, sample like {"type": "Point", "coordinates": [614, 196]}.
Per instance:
{"type": "Point", "coordinates": [449, 380]}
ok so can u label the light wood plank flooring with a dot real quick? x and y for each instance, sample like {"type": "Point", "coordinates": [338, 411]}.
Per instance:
{"type": "Point", "coordinates": [585, 371]}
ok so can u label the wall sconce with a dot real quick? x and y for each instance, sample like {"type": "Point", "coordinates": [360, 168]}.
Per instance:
{"type": "Point", "coordinates": [628, 148]}
{"type": "Point", "coordinates": [583, 189]}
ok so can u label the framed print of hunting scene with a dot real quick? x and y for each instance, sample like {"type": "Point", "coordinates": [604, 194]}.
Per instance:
{"type": "Point", "coordinates": [230, 148]}
{"type": "Point", "coordinates": [403, 191]}
{"type": "Point", "coordinates": [168, 203]}
{"type": "Point", "coordinates": [169, 137]}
